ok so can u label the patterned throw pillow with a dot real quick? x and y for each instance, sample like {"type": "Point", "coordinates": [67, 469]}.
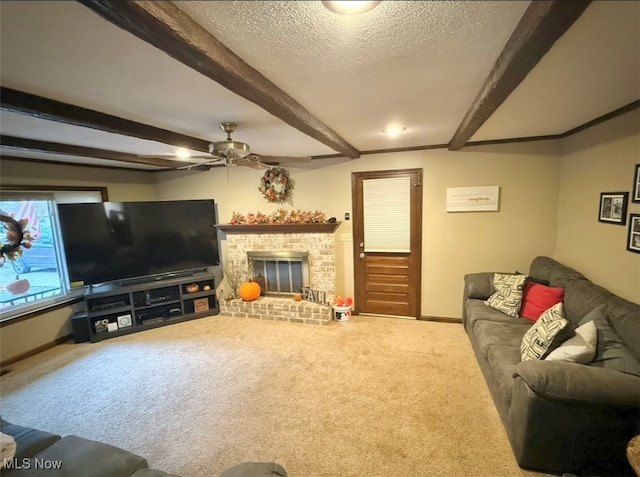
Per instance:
{"type": "Point", "coordinates": [508, 295]}
{"type": "Point", "coordinates": [549, 332]}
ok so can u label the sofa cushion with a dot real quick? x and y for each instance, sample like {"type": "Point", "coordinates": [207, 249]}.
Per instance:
{"type": "Point", "coordinates": [83, 457]}
{"type": "Point", "coordinates": [490, 333]}
{"type": "Point", "coordinates": [29, 442]}
{"type": "Point", "coordinates": [503, 361]}
{"type": "Point", "coordinates": [538, 298]}
{"type": "Point", "coordinates": [508, 295]}
{"type": "Point", "coordinates": [546, 334]}
{"type": "Point", "coordinates": [579, 349]}
{"type": "Point", "coordinates": [478, 311]}
{"type": "Point", "coordinates": [611, 353]}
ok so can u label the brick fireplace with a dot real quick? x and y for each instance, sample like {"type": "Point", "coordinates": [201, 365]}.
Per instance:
{"type": "Point", "coordinates": [316, 242]}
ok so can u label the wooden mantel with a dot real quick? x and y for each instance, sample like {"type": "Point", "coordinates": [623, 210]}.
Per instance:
{"type": "Point", "coordinates": [324, 228]}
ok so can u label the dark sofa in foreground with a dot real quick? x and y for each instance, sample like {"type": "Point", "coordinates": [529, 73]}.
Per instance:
{"type": "Point", "coordinates": [43, 454]}
{"type": "Point", "coordinates": [560, 417]}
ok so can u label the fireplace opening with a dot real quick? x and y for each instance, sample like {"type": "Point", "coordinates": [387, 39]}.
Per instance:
{"type": "Point", "coordinates": [283, 273]}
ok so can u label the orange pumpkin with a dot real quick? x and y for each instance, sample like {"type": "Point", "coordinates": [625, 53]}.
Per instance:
{"type": "Point", "coordinates": [18, 286]}
{"type": "Point", "coordinates": [192, 288]}
{"type": "Point", "coordinates": [249, 291]}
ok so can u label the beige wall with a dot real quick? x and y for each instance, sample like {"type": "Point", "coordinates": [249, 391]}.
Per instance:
{"type": "Point", "coordinates": [453, 244]}
{"type": "Point", "coordinates": [23, 336]}
{"type": "Point", "coordinates": [599, 159]}
{"type": "Point", "coordinates": [122, 184]}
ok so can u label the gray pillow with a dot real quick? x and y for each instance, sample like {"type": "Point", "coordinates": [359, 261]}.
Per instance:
{"type": "Point", "coordinates": [579, 349]}
{"type": "Point", "coordinates": [611, 353]}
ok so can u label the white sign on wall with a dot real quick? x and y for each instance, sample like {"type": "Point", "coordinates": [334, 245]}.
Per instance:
{"type": "Point", "coordinates": [472, 199]}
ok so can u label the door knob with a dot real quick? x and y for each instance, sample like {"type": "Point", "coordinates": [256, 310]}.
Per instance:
{"type": "Point", "coordinates": [361, 254]}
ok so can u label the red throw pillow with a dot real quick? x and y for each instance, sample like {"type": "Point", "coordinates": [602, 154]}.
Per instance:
{"type": "Point", "coordinates": [538, 298]}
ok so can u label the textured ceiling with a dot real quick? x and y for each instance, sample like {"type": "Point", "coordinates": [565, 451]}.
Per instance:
{"type": "Point", "coordinates": [417, 63]}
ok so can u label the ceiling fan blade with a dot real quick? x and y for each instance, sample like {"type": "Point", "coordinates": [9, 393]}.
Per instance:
{"type": "Point", "coordinates": [255, 165]}
{"type": "Point", "coordinates": [252, 161]}
{"type": "Point", "coordinates": [298, 159]}
{"type": "Point", "coordinates": [204, 165]}
{"type": "Point", "coordinates": [174, 157]}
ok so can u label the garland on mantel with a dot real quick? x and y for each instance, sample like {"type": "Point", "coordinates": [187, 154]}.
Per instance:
{"type": "Point", "coordinates": [280, 216]}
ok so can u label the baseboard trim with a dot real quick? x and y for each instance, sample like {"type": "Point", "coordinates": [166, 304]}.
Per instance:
{"type": "Point", "coordinates": [39, 349]}
{"type": "Point", "coordinates": [442, 319]}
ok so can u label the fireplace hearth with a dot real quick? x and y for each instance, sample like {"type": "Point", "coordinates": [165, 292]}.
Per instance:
{"type": "Point", "coordinates": [292, 261]}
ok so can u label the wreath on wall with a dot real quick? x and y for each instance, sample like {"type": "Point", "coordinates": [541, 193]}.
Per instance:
{"type": "Point", "coordinates": [16, 237]}
{"type": "Point", "coordinates": [276, 185]}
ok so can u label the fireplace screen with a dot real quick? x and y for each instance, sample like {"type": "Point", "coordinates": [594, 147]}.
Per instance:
{"type": "Point", "coordinates": [283, 273]}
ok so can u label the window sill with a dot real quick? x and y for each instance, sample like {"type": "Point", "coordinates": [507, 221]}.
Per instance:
{"type": "Point", "coordinates": [75, 296]}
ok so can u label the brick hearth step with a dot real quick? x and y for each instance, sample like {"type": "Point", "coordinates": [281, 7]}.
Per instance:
{"type": "Point", "coordinates": [281, 309]}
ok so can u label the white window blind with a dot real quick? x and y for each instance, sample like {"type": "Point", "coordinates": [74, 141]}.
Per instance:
{"type": "Point", "coordinates": [387, 219]}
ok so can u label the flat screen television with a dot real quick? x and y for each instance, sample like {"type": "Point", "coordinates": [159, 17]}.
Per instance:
{"type": "Point", "coordinates": [124, 241]}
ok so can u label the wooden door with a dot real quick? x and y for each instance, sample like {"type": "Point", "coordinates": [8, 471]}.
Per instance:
{"type": "Point", "coordinates": [387, 282]}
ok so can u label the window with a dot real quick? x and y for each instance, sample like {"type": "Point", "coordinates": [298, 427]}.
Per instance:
{"type": "Point", "coordinates": [36, 276]}
{"type": "Point", "coordinates": [387, 214]}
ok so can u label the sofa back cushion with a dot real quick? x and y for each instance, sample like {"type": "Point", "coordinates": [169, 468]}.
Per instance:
{"type": "Point", "coordinates": [557, 274]}
{"type": "Point", "coordinates": [611, 353]}
{"type": "Point", "coordinates": [582, 296]}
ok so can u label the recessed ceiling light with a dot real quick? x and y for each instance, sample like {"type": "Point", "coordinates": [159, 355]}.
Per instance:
{"type": "Point", "coordinates": [182, 153]}
{"type": "Point", "coordinates": [394, 130]}
{"type": "Point", "coordinates": [349, 7]}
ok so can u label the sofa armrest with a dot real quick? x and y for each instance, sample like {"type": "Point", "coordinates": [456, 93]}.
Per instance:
{"type": "Point", "coordinates": [579, 383]}
{"type": "Point", "coordinates": [478, 285]}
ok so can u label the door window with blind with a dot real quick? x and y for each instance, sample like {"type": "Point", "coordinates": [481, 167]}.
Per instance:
{"type": "Point", "coordinates": [33, 267]}
{"type": "Point", "coordinates": [387, 216]}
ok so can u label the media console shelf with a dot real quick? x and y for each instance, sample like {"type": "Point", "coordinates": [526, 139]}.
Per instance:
{"type": "Point", "coordinates": [115, 310]}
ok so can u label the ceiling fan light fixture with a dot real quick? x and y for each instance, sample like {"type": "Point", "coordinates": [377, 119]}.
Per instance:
{"type": "Point", "coordinates": [350, 7]}
{"type": "Point", "coordinates": [394, 130]}
{"type": "Point", "coordinates": [229, 148]}
{"type": "Point", "coordinates": [183, 153]}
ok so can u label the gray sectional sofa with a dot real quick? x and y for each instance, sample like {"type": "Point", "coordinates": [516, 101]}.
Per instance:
{"type": "Point", "coordinates": [560, 417]}
{"type": "Point", "coordinates": [42, 454]}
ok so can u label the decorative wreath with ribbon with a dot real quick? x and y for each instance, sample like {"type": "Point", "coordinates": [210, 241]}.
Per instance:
{"type": "Point", "coordinates": [17, 237]}
{"type": "Point", "coordinates": [276, 185]}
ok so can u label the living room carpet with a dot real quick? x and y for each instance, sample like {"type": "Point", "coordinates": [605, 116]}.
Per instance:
{"type": "Point", "coordinates": [370, 397]}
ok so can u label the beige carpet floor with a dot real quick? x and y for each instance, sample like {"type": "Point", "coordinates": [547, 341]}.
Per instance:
{"type": "Point", "coordinates": [371, 397]}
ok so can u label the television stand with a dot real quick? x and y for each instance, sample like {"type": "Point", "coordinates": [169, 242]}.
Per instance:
{"type": "Point", "coordinates": [114, 310]}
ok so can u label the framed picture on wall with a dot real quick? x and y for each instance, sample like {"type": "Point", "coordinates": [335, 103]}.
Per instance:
{"type": "Point", "coordinates": [633, 241]}
{"type": "Point", "coordinates": [613, 207]}
{"type": "Point", "coordinates": [635, 191]}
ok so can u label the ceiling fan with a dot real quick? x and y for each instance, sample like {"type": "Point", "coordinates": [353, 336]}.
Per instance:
{"type": "Point", "coordinates": [234, 153]}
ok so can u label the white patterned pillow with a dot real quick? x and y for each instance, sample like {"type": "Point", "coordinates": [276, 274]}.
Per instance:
{"type": "Point", "coordinates": [549, 332]}
{"type": "Point", "coordinates": [508, 295]}
{"type": "Point", "coordinates": [579, 349]}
